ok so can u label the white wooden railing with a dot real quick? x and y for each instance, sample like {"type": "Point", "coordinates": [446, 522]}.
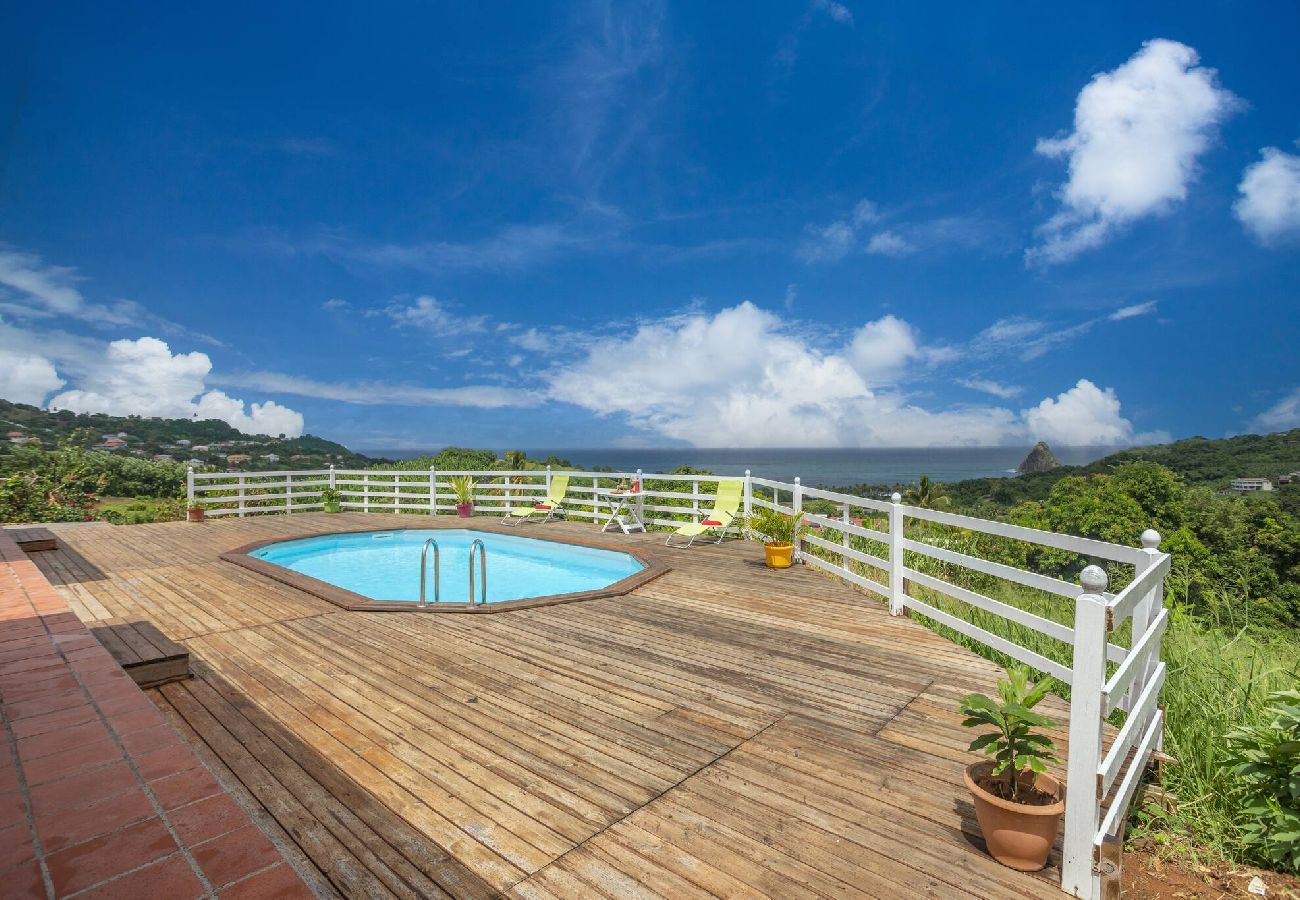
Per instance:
{"type": "Point", "coordinates": [884, 547]}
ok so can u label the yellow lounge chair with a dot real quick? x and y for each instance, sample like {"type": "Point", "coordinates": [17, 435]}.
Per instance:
{"type": "Point", "coordinates": [717, 520]}
{"type": "Point", "coordinates": [550, 508]}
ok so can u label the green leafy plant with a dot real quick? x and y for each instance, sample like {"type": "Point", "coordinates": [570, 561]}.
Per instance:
{"type": "Point", "coordinates": [928, 495]}
{"type": "Point", "coordinates": [462, 486]}
{"type": "Point", "coordinates": [773, 526]}
{"type": "Point", "coordinates": [1013, 743]}
{"type": "Point", "coordinates": [1265, 759]}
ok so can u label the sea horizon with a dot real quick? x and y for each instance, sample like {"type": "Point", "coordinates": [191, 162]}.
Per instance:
{"type": "Point", "coordinates": [831, 466]}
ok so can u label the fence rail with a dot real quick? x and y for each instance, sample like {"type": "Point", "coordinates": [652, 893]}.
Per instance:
{"type": "Point", "coordinates": [920, 560]}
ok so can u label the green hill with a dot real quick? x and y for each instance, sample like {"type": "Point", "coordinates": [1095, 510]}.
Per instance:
{"type": "Point", "coordinates": [1200, 462]}
{"type": "Point", "coordinates": [210, 441]}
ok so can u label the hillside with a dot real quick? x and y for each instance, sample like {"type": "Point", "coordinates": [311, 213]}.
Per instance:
{"type": "Point", "coordinates": [211, 442]}
{"type": "Point", "coordinates": [1200, 462]}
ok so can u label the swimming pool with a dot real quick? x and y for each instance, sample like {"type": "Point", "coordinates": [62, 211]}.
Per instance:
{"type": "Point", "coordinates": [384, 566]}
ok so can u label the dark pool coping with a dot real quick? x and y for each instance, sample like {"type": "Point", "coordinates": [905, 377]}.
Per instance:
{"type": "Point", "coordinates": [350, 600]}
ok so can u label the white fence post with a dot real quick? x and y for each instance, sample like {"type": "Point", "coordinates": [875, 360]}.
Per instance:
{"type": "Point", "coordinates": [1144, 614]}
{"type": "Point", "coordinates": [189, 487]}
{"type": "Point", "coordinates": [365, 492]}
{"type": "Point", "coordinates": [640, 497]}
{"type": "Point", "coordinates": [749, 493]}
{"type": "Point", "coordinates": [1082, 805]}
{"type": "Point", "coordinates": [796, 503]}
{"type": "Point", "coordinates": [433, 491]}
{"type": "Point", "coordinates": [331, 476]}
{"type": "Point", "coordinates": [242, 485]}
{"type": "Point", "coordinates": [844, 536]}
{"type": "Point", "coordinates": [288, 493]}
{"type": "Point", "coordinates": [896, 590]}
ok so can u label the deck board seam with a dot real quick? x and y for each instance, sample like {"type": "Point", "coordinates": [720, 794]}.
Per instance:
{"type": "Point", "coordinates": [672, 787]}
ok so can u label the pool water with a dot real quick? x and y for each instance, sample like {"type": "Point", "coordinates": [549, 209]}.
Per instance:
{"type": "Point", "coordinates": [385, 565]}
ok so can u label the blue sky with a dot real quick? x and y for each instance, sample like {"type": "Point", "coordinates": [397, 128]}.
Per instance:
{"type": "Point", "coordinates": [563, 225]}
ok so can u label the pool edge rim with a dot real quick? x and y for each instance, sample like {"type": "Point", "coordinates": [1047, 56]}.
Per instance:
{"type": "Point", "coordinates": [354, 602]}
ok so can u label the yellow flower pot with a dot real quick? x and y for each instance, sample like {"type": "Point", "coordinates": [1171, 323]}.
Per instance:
{"type": "Point", "coordinates": [779, 556]}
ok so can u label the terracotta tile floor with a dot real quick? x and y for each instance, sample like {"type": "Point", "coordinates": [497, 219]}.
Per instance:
{"type": "Point", "coordinates": [99, 796]}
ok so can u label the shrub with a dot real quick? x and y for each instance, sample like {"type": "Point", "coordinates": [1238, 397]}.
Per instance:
{"type": "Point", "coordinates": [1013, 743]}
{"type": "Point", "coordinates": [1266, 761]}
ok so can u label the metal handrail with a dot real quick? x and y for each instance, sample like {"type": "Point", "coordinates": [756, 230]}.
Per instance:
{"type": "Point", "coordinates": [424, 552]}
{"type": "Point", "coordinates": [482, 559]}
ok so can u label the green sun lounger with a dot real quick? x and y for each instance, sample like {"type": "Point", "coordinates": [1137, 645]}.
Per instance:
{"type": "Point", "coordinates": [726, 504]}
{"type": "Point", "coordinates": [545, 510]}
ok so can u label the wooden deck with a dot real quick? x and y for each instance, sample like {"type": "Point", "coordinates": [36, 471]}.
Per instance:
{"type": "Point", "coordinates": [722, 731]}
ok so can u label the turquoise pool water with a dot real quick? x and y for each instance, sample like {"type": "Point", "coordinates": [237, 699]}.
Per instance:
{"type": "Point", "coordinates": [385, 565]}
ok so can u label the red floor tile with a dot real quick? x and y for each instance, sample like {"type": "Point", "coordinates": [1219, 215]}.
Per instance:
{"type": "Point", "coordinates": [171, 878]}
{"type": "Point", "coordinates": [63, 739]}
{"type": "Point", "coordinates": [66, 827]}
{"type": "Point", "coordinates": [187, 787]}
{"type": "Point", "coordinates": [22, 881]}
{"type": "Point", "coordinates": [94, 861]}
{"type": "Point", "coordinates": [170, 761]}
{"type": "Point", "coordinates": [16, 845]}
{"type": "Point", "coordinates": [235, 855]}
{"type": "Point", "coordinates": [151, 740]}
{"type": "Point", "coordinates": [206, 819]}
{"type": "Point", "coordinates": [82, 789]}
{"type": "Point", "coordinates": [79, 759]}
{"type": "Point", "coordinates": [53, 721]}
{"type": "Point", "coordinates": [13, 808]}
{"type": "Point", "coordinates": [137, 720]}
{"type": "Point", "coordinates": [282, 883]}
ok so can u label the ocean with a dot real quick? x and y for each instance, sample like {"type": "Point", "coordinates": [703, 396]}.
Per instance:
{"type": "Point", "coordinates": [832, 467]}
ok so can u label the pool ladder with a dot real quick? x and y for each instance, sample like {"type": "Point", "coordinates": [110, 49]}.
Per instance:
{"type": "Point", "coordinates": [482, 564]}
{"type": "Point", "coordinates": [424, 553]}
{"type": "Point", "coordinates": [477, 546]}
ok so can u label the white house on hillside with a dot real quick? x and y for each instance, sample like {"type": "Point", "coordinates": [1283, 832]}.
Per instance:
{"type": "Point", "coordinates": [1252, 484]}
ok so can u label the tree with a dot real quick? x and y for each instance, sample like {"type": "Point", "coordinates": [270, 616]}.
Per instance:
{"type": "Point", "coordinates": [928, 495]}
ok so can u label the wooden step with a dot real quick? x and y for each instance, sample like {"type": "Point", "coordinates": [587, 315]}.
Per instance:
{"type": "Point", "coordinates": [145, 653]}
{"type": "Point", "coordinates": [33, 540]}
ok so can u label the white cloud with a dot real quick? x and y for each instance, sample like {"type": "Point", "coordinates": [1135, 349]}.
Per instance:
{"type": "Point", "coordinates": [431, 314]}
{"type": "Point", "coordinates": [827, 243]}
{"type": "Point", "coordinates": [997, 389]}
{"type": "Point", "coordinates": [888, 243]}
{"type": "Point", "coordinates": [1132, 312]}
{"type": "Point", "coordinates": [833, 242]}
{"type": "Point", "coordinates": [47, 290]}
{"type": "Point", "coordinates": [837, 12]}
{"type": "Point", "coordinates": [1281, 416]}
{"type": "Point", "coordinates": [739, 378]}
{"type": "Point", "coordinates": [143, 377]}
{"type": "Point", "coordinates": [1138, 133]}
{"type": "Point", "coordinates": [1269, 205]}
{"type": "Point", "coordinates": [1085, 415]}
{"type": "Point", "coordinates": [27, 377]}
{"type": "Point", "coordinates": [375, 392]}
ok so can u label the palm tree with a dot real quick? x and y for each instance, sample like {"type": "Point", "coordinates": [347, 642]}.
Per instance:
{"type": "Point", "coordinates": [928, 495]}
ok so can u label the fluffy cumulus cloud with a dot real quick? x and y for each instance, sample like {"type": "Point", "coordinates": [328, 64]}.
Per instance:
{"type": "Point", "coordinates": [143, 377]}
{"type": "Point", "coordinates": [1281, 416]}
{"type": "Point", "coordinates": [1269, 205]}
{"type": "Point", "coordinates": [1085, 415]}
{"type": "Point", "coordinates": [739, 378]}
{"type": "Point", "coordinates": [1138, 133]}
{"type": "Point", "coordinates": [27, 377]}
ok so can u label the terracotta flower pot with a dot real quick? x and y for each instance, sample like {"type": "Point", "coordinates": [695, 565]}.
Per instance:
{"type": "Point", "coordinates": [194, 515]}
{"type": "Point", "coordinates": [464, 510]}
{"type": "Point", "coordinates": [779, 556]}
{"type": "Point", "coordinates": [1018, 835]}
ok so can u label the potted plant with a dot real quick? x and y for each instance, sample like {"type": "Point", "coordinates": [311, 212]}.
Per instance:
{"type": "Point", "coordinates": [462, 486]}
{"type": "Point", "coordinates": [331, 498]}
{"type": "Point", "coordinates": [1018, 805]}
{"type": "Point", "coordinates": [778, 531]}
{"type": "Point", "coordinates": [195, 511]}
